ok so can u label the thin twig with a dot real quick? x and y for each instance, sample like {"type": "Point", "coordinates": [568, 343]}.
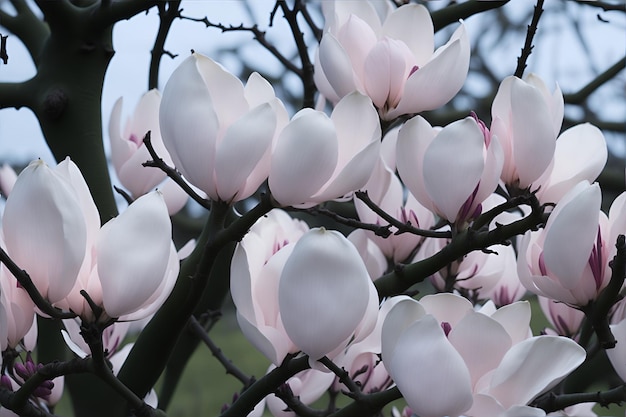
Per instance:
{"type": "Point", "coordinates": [402, 227]}
{"type": "Point", "coordinates": [528, 44]}
{"type": "Point", "coordinates": [551, 402]}
{"type": "Point", "coordinates": [27, 284]}
{"type": "Point", "coordinates": [166, 18]}
{"type": "Point", "coordinates": [158, 162]}
{"type": "Point", "coordinates": [382, 231]}
{"type": "Point", "coordinates": [228, 364]}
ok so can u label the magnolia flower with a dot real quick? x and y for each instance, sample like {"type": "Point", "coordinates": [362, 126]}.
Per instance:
{"type": "Point", "coordinates": [580, 154]}
{"type": "Point", "coordinates": [570, 264]}
{"type": "Point", "coordinates": [254, 275]}
{"type": "Point", "coordinates": [318, 158]}
{"type": "Point", "coordinates": [218, 132]}
{"type": "Point", "coordinates": [526, 118]}
{"type": "Point", "coordinates": [128, 152]}
{"type": "Point", "coordinates": [566, 320]}
{"type": "Point", "coordinates": [488, 276]}
{"type": "Point", "coordinates": [372, 256]}
{"type": "Point", "coordinates": [45, 229]}
{"type": "Point", "coordinates": [449, 359]}
{"type": "Point", "coordinates": [384, 189]}
{"type": "Point", "coordinates": [452, 187]}
{"type": "Point", "coordinates": [389, 57]}
{"type": "Point", "coordinates": [325, 284]}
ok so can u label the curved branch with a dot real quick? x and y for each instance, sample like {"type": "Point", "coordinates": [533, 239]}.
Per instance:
{"type": "Point", "coordinates": [551, 402]}
{"type": "Point", "coordinates": [16, 95]}
{"type": "Point", "coordinates": [586, 91]}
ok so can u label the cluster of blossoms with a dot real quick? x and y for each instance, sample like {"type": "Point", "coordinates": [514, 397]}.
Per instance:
{"type": "Point", "coordinates": [302, 291]}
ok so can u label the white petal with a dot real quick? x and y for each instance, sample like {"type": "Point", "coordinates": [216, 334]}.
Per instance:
{"type": "Point", "coordinates": [429, 372]}
{"type": "Point", "coordinates": [567, 249]}
{"type": "Point", "coordinates": [254, 133]}
{"type": "Point", "coordinates": [325, 285]}
{"type": "Point", "coordinates": [404, 312]}
{"type": "Point", "coordinates": [44, 230]}
{"type": "Point", "coordinates": [451, 181]}
{"type": "Point", "coordinates": [337, 66]}
{"type": "Point", "coordinates": [533, 366]}
{"type": "Point", "coordinates": [534, 138]}
{"type": "Point", "coordinates": [304, 158]}
{"type": "Point", "coordinates": [189, 125]}
{"type": "Point", "coordinates": [617, 355]}
{"type": "Point", "coordinates": [133, 253]}
{"type": "Point", "coordinates": [413, 25]}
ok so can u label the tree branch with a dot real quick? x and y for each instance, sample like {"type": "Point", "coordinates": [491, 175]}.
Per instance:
{"type": "Point", "coordinates": [111, 12]}
{"type": "Point", "coordinates": [581, 95]}
{"type": "Point", "coordinates": [528, 43]}
{"type": "Point", "coordinates": [452, 14]}
{"type": "Point", "coordinates": [27, 27]}
{"type": "Point", "coordinates": [551, 402]}
{"type": "Point", "coordinates": [166, 19]}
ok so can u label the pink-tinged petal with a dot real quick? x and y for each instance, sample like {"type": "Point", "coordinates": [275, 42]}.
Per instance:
{"type": "Point", "coordinates": [325, 284]}
{"type": "Point", "coordinates": [533, 366]}
{"type": "Point", "coordinates": [481, 354]}
{"type": "Point", "coordinates": [429, 372]}
{"type": "Point", "coordinates": [617, 355]}
{"type": "Point", "coordinates": [451, 181]}
{"type": "Point", "coordinates": [440, 79]}
{"type": "Point", "coordinates": [68, 170]}
{"type": "Point", "coordinates": [133, 254]}
{"type": "Point", "coordinates": [554, 100]}
{"type": "Point", "coordinates": [385, 72]}
{"type": "Point", "coordinates": [485, 405]}
{"type": "Point", "coordinates": [336, 65]}
{"type": "Point", "coordinates": [226, 90]}
{"type": "Point", "coordinates": [524, 411]}
{"type": "Point", "coordinates": [364, 10]}
{"type": "Point", "coordinates": [566, 249]}
{"type": "Point", "coordinates": [403, 313]}
{"type": "Point", "coordinates": [446, 307]}
{"type": "Point", "coordinates": [304, 158]}
{"type": "Point", "coordinates": [412, 25]}
{"type": "Point", "coordinates": [146, 116]}
{"type": "Point", "coordinates": [580, 154]}
{"type": "Point", "coordinates": [357, 39]}
{"type": "Point", "coordinates": [534, 138]}
{"type": "Point", "coordinates": [121, 148]}
{"type": "Point", "coordinates": [494, 161]}
{"type": "Point", "coordinates": [233, 168]}
{"type": "Point", "coordinates": [515, 318]}
{"type": "Point", "coordinates": [413, 139]}
{"type": "Point", "coordinates": [72, 345]}
{"type": "Point", "coordinates": [501, 105]}
{"type": "Point", "coordinates": [189, 125]}
{"type": "Point", "coordinates": [44, 230]}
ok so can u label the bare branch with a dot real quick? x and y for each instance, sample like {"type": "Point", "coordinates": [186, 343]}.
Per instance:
{"type": "Point", "coordinates": [528, 43]}
{"type": "Point", "coordinates": [581, 95]}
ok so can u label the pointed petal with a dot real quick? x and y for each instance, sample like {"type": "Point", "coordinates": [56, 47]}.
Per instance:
{"type": "Point", "coordinates": [189, 125]}
{"type": "Point", "coordinates": [534, 138]}
{"type": "Point", "coordinates": [533, 366]}
{"type": "Point", "coordinates": [446, 307]}
{"type": "Point", "coordinates": [254, 133]}
{"type": "Point", "coordinates": [442, 77]}
{"type": "Point", "coordinates": [337, 66]}
{"type": "Point", "coordinates": [44, 230]}
{"type": "Point", "coordinates": [567, 249]}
